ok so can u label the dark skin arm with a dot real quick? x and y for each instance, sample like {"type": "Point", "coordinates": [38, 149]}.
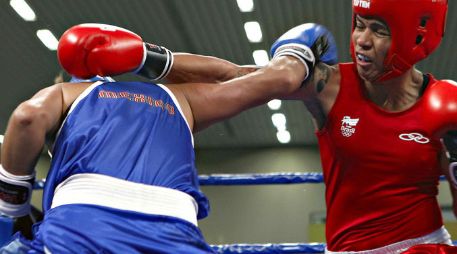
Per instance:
{"type": "Point", "coordinates": [207, 103]}
{"type": "Point", "coordinates": [197, 68]}
{"type": "Point", "coordinates": [32, 121]}
{"type": "Point", "coordinates": [318, 93]}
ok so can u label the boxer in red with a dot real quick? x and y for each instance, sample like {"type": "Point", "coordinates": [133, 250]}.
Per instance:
{"type": "Point", "coordinates": [379, 123]}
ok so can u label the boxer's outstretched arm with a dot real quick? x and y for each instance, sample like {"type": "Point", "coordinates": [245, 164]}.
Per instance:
{"type": "Point", "coordinates": [197, 68]}
{"type": "Point", "coordinates": [209, 103]}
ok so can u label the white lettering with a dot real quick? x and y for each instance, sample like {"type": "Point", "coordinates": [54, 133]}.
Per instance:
{"type": "Point", "coordinates": [362, 3]}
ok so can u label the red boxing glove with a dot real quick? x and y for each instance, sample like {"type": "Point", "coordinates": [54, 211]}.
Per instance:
{"type": "Point", "coordinates": [88, 50]}
{"type": "Point", "coordinates": [440, 103]}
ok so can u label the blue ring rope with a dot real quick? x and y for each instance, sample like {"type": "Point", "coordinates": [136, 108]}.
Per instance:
{"type": "Point", "coordinates": [280, 248]}
{"type": "Point", "coordinates": [249, 179]}
{"type": "Point", "coordinates": [270, 178]}
{"type": "Point", "coordinates": [269, 248]}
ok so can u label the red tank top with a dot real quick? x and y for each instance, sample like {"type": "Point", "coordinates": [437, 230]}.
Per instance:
{"type": "Point", "coordinates": [381, 171]}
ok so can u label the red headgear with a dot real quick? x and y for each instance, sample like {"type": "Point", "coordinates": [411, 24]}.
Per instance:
{"type": "Point", "coordinates": [416, 27]}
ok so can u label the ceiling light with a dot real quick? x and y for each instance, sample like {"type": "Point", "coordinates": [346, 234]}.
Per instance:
{"type": "Point", "coordinates": [274, 104]}
{"type": "Point", "coordinates": [48, 39]}
{"type": "Point", "coordinates": [279, 121]}
{"type": "Point", "coordinates": [245, 5]}
{"type": "Point", "coordinates": [260, 57]}
{"type": "Point", "coordinates": [283, 136]}
{"type": "Point", "coordinates": [253, 31]}
{"type": "Point", "coordinates": [23, 9]}
{"type": "Point", "coordinates": [1, 139]}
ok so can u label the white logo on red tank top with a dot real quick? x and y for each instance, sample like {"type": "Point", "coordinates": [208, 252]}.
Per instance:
{"type": "Point", "coordinates": [362, 3]}
{"type": "Point", "coordinates": [348, 125]}
{"type": "Point", "coordinates": [414, 136]}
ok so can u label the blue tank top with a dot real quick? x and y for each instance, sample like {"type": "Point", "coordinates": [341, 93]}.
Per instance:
{"type": "Point", "coordinates": [129, 130]}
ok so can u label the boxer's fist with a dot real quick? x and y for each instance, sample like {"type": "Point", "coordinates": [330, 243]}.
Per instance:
{"type": "Point", "coordinates": [88, 50]}
{"type": "Point", "coordinates": [310, 43]}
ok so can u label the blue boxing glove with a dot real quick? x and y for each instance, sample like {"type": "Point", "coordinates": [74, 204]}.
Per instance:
{"type": "Point", "coordinates": [310, 43]}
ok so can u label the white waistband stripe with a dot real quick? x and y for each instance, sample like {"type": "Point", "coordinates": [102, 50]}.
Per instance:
{"type": "Point", "coordinates": [102, 190]}
{"type": "Point", "coordinates": [438, 236]}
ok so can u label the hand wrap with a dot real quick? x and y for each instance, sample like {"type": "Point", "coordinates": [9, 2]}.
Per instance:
{"type": "Point", "coordinates": [15, 193]}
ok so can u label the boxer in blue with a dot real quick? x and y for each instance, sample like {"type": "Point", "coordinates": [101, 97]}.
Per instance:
{"type": "Point", "coordinates": [123, 177]}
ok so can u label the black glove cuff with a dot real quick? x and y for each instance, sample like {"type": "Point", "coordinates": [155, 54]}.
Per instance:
{"type": "Point", "coordinates": [158, 63]}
